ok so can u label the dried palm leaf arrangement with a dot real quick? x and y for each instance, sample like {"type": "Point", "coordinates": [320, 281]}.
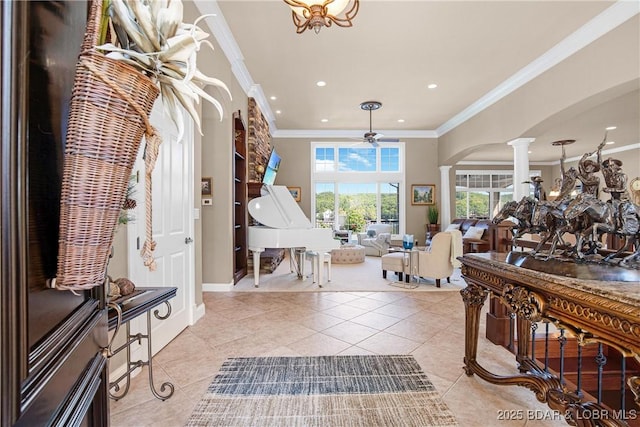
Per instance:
{"type": "Point", "coordinates": [152, 38]}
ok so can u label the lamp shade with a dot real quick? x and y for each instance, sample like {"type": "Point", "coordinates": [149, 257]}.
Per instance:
{"type": "Point", "coordinates": [316, 14]}
{"type": "Point", "coordinates": [333, 8]}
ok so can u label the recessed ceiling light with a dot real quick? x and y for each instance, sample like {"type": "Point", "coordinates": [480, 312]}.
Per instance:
{"type": "Point", "coordinates": [278, 112]}
{"type": "Point", "coordinates": [610, 128]}
{"type": "Point", "coordinates": [610, 142]}
{"type": "Point", "coordinates": [273, 98]}
{"type": "Point", "coordinates": [324, 120]}
{"type": "Point", "coordinates": [321, 83]}
{"type": "Point", "coordinates": [432, 86]}
{"type": "Point", "coordinates": [529, 151]}
{"type": "Point", "coordinates": [400, 120]}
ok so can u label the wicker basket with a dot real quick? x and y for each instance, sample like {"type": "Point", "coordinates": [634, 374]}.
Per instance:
{"type": "Point", "coordinates": [110, 105]}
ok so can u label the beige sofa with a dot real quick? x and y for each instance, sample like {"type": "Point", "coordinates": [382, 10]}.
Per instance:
{"type": "Point", "coordinates": [375, 239]}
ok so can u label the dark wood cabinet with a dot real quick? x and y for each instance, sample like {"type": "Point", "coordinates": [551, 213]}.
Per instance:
{"type": "Point", "coordinates": [53, 370]}
{"type": "Point", "coordinates": [239, 198]}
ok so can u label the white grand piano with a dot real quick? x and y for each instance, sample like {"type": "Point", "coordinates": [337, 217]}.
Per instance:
{"type": "Point", "coordinates": [284, 225]}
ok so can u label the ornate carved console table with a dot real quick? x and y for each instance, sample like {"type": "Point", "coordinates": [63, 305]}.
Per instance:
{"type": "Point", "coordinates": [596, 303]}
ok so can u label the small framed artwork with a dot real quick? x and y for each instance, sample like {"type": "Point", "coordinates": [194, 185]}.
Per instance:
{"type": "Point", "coordinates": [295, 193]}
{"type": "Point", "coordinates": [206, 186]}
{"type": "Point", "coordinates": [423, 194]}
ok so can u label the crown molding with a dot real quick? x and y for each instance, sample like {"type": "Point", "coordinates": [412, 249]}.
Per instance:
{"type": "Point", "coordinates": [351, 134]}
{"type": "Point", "coordinates": [606, 21]}
{"type": "Point", "coordinates": [548, 163]}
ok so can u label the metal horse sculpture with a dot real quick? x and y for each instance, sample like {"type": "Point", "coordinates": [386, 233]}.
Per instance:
{"type": "Point", "coordinates": [587, 217]}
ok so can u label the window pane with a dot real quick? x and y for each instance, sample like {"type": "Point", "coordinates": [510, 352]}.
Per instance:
{"type": "Point", "coordinates": [357, 159]}
{"type": "Point", "coordinates": [390, 159]}
{"type": "Point", "coordinates": [501, 181]}
{"type": "Point", "coordinates": [461, 181]}
{"type": "Point", "coordinates": [503, 197]}
{"type": "Point", "coordinates": [358, 204]}
{"type": "Point", "coordinates": [390, 205]}
{"type": "Point", "coordinates": [478, 204]}
{"type": "Point", "coordinates": [325, 160]}
{"type": "Point", "coordinates": [461, 204]}
{"type": "Point", "coordinates": [325, 205]}
{"type": "Point", "coordinates": [479, 181]}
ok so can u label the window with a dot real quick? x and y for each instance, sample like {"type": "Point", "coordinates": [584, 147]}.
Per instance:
{"type": "Point", "coordinates": [481, 194]}
{"type": "Point", "coordinates": [357, 185]}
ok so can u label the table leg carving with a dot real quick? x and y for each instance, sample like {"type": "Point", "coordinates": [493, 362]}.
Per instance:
{"type": "Point", "coordinates": [634, 385]}
{"type": "Point", "coordinates": [474, 298]}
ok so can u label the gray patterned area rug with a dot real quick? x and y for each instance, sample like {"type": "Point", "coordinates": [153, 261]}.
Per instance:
{"type": "Point", "coordinates": [364, 391]}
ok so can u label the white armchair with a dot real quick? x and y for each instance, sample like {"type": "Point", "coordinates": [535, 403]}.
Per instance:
{"type": "Point", "coordinates": [439, 259]}
{"type": "Point", "coordinates": [376, 239]}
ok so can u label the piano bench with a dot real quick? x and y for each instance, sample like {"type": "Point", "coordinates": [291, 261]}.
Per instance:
{"type": "Point", "coordinates": [318, 262]}
{"type": "Point", "coordinates": [348, 254]}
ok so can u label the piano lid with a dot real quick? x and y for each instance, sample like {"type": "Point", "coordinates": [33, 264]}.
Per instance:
{"type": "Point", "coordinates": [278, 209]}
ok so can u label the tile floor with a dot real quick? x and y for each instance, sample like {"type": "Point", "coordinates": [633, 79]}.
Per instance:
{"type": "Point", "coordinates": [428, 325]}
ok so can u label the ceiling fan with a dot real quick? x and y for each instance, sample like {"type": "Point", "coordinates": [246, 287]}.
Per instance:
{"type": "Point", "coordinates": [372, 137]}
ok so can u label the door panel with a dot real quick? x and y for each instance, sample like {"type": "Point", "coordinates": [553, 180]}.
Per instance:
{"type": "Point", "coordinates": [52, 368]}
{"type": "Point", "coordinates": [172, 201]}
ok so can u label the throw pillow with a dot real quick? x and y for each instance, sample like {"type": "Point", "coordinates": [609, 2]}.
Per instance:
{"type": "Point", "coordinates": [474, 233]}
{"type": "Point", "coordinates": [371, 233]}
{"type": "Point", "coordinates": [453, 227]}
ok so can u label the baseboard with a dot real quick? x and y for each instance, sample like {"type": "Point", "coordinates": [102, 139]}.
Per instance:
{"type": "Point", "coordinates": [217, 287]}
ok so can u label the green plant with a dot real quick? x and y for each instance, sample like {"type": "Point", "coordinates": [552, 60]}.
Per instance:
{"type": "Point", "coordinates": [432, 214]}
{"type": "Point", "coordinates": [355, 221]}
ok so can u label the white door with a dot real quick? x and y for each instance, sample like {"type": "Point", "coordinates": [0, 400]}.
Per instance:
{"type": "Point", "coordinates": [172, 202]}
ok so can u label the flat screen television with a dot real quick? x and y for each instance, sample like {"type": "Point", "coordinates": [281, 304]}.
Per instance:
{"type": "Point", "coordinates": [271, 170]}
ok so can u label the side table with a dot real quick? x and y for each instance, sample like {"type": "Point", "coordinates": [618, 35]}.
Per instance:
{"type": "Point", "coordinates": [122, 311]}
{"type": "Point", "coordinates": [407, 253]}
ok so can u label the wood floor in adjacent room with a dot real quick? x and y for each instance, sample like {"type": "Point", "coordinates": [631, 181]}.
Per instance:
{"type": "Point", "coordinates": [428, 325]}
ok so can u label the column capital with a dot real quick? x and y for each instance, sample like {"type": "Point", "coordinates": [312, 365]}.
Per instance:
{"type": "Point", "coordinates": [518, 142]}
{"type": "Point", "coordinates": [444, 168]}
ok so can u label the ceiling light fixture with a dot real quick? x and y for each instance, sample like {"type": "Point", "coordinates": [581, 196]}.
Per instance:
{"type": "Point", "coordinates": [308, 14]}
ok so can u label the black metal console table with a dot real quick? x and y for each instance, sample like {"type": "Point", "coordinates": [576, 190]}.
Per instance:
{"type": "Point", "coordinates": [122, 311]}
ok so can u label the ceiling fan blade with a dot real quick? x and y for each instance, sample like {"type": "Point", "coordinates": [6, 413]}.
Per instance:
{"type": "Point", "coordinates": [387, 140]}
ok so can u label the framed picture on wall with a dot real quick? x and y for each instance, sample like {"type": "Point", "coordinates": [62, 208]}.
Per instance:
{"type": "Point", "coordinates": [295, 193]}
{"type": "Point", "coordinates": [423, 194]}
{"type": "Point", "coordinates": [206, 186]}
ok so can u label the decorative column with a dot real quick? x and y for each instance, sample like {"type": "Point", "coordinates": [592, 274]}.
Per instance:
{"type": "Point", "coordinates": [520, 166]}
{"type": "Point", "coordinates": [445, 197]}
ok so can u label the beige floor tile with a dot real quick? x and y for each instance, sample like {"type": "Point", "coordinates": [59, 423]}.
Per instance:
{"type": "Point", "coordinates": [384, 343]}
{"type": "Point", "coordinates": [320, 321]}
{"type": "Point", "coordinates": [398, 310]}
{"type": "Point", "coordinates": [319, 344]}
{"type": "Point", "coordinates": [345, 312]}
{"type": "Point", "coordinates": [350, 332]}
{"type": "Point", "coordinates": [367, 303]}
{"type": "Point", "coordinates": [375, 320]}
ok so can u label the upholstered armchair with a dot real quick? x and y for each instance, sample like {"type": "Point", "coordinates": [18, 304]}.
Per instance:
{"type": "Point", "coordinates": [376, 239]}
{"type": "Point", "coordinates": [439, 259]}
